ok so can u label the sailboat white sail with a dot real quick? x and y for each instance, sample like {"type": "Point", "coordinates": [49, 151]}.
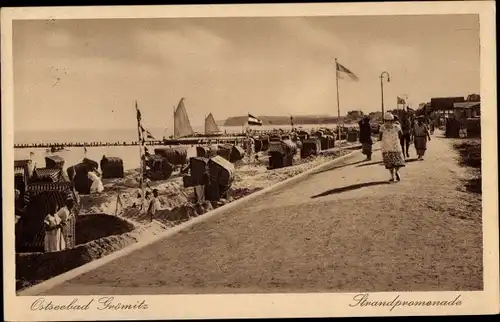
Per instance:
{"type": "Point", "coordinates": [211, 126]}
{"type": "Point", "coordinates": [182, 126]}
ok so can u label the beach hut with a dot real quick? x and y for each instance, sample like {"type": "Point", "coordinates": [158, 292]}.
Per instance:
{"type": "Point", "coordinates": [175, 156]}
{"type": "Point", "coordinates": [352, 136]}
{"type": "Point", "coordinates": [112, 167]}
{"type": "Point", "coordinates": [264, 139]}
{"type": "Point", "coordinates": [257, 144]}
{"type": "Point", "coordinates": [27, 166]}
{"type": "Point", "coordinates": [206, 151]}
{"type": "Point", "coordinates": [91, 164]}
{"type": "Point", "coordinates": [302, 135]}
{"type": "Point", "coordinates": [310, 147]}
{"type": "Point", "coordinates": [281, 153]}
{"type": "Point", "coordinates": [224, 151]}
{"type": "Point", "coordinates": [20, 182]}
{"type": "Point", "coordinates": [41, 199]}
{"type": "Point", "coordinates": [54, 162]}
{"type": "Point", "coordinates": [221, 173]}
{"type": "Point", "coordinates": [261, 143]}
{"type": "Point", "coordinates": [327, 141]}
{"type": "Point", "coordinates": [158, 168]}
{"type": "Point", "coordinates": [47, 175]}
{"type": "Point", "coordinates": [198, 168]}
{"type": "Point", "coordinates": [78, 174]}
{"type": "Point", "coordinates": [237, 153]}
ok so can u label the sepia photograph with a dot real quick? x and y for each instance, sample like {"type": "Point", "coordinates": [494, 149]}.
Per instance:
{"type": "Point", "coordinates": [223, 154]}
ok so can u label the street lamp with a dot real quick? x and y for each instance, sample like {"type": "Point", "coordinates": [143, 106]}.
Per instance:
{"type": "Point", "coordinates": [382, 88]}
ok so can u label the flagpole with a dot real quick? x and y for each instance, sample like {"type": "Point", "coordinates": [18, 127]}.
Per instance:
{"type": "Point", "coordinates": [173, 134]}
{"type": "Point", "coordinates": [338, 100]}
{"type": "Point", "coordinates": [141, 180]}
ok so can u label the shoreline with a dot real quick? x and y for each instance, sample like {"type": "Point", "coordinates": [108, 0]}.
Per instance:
{"type": "Point", "coordinates": [177, 207]}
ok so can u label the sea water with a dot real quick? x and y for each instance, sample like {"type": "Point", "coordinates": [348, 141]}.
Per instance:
{"type": "Point", "coordinates": [129, 154]}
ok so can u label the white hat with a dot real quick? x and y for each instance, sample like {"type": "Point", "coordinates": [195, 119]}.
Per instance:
{"type": "Point", "coordinates": [388, 117]}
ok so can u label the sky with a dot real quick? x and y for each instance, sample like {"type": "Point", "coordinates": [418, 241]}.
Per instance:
{"type": "Point", "coordinates": [87, 74]}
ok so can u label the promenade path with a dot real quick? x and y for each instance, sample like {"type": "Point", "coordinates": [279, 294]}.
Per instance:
{"type": "Point", "coordinates": [344, 229]}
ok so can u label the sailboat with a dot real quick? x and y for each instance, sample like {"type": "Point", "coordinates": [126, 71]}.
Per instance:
{"type": "Point", "coordinates": [182, 126]}
{"type": "Point", "coordinates": [211, 126]}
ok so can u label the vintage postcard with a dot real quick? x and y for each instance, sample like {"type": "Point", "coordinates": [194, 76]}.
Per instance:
{"type": "Point", "coordinates": [234, 161]}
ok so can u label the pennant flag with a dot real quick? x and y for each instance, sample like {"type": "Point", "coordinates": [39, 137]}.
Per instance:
{"type": "Point", "coordinates": [149, 135]}
{"type": "Point", "coordinates": [139, 117]}
{"type": "Point", "coordinates": [401, 100]}
{"type": "Point", "coordinates": [342, 69]}
{"type": "Point", "coordinates": [252, 120]}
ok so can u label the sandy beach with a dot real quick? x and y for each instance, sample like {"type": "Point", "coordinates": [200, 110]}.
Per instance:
{"type": "Point", "coordinates": [104, 225]}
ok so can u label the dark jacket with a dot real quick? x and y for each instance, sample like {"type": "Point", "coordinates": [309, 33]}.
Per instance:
{"type": "Point", "coordinates": [365, 131]}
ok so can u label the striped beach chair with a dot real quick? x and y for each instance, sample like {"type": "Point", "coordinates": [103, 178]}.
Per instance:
{"type": "Point", "coordinates": [41, 199]}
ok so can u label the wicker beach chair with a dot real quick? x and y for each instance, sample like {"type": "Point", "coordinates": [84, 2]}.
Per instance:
{"type": "Point", "coordinates": [112, 167]}
{"type": "Point", "coordinates": [41, 199]}
{"type": "Point", "coordinates": [54, 162]}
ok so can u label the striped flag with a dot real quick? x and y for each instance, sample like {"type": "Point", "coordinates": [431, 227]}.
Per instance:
{"type": "Point", "coordinates": [342, 69]}
{"type": "Point", "coordinates": [252, 120]}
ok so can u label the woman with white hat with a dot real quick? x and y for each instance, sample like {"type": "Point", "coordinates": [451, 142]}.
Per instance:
{"type": "Point", "coordinates": [392, 153]}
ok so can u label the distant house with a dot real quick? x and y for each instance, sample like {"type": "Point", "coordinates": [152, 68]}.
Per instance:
{"type": "Point", "coordinates": [445, 105]}
{"type": "Point", "coordinates": [467, 109]}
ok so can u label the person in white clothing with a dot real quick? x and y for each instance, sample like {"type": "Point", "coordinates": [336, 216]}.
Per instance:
{"type": "Point", "coordinates": [54, 238]}
{"type": "Point", "coordinates": [97, 186]}
{"type": "Point", "coordinates": [392, 153]}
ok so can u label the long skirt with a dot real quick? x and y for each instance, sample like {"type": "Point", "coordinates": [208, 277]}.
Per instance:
{"type": "Point", "coordinates": [421, 144]}
{"type": "Point", "coordinates": [54, 241]}
{"type": "Point", "coordinates": [367, 148]}
{"type": "Point", "coordinates": [393, 159]}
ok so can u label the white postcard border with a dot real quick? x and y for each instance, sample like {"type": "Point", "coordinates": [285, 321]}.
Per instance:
{"type": "Point", "coordinates": [266, 305]}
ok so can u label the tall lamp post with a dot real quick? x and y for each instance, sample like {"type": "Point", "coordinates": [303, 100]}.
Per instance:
{"type": "Point", "coordinates": [382, 88]}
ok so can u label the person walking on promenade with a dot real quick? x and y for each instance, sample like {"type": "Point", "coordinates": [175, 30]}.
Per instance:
{"type": "Point", "coordinates": [392, 154]}
{"type": "Point", "coordinates": [421, 135]}
{"type": "Point", "coordinates": [406, 128]}
{"type": "Point", "coordinates": [432, 125]}
{"type": "Point", "coordinates": [365, 137]}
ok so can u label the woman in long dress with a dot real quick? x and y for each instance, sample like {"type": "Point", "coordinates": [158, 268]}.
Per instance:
{"type": "Point", "coordinates": [421, 135]}
{"type": "Point", "coordinates": [392, 154]}
{"type": "Point", "coordinates": [365, 137]}
{"type": "Point", "coordinates": [54, 239]}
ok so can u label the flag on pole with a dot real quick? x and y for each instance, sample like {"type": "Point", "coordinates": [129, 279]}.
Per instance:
{"type": "Point", "coordinates": [252, 120]}
{"type": "Point", "coordinates": [342, 69]}
{"type": "Point", "coordinates": [401, 101]}
{"type": "Point", "coordinates": [149, 135]}
{"type": "Point", "coordinates": [139, 117]}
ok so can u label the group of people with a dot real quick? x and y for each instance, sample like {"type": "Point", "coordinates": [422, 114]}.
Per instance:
{"type": "Point", "coordinates": [150, 205]}
{"type": "Point", "coordinates": [396, 136]}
